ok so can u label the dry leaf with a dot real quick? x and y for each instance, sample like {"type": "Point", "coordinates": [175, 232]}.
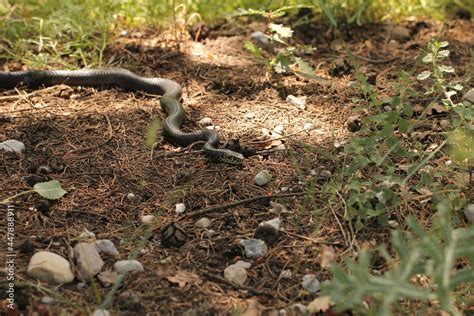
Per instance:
{"type": "Point", "coordinates": [328, 254]}
{"type": "Point", "coordinates": [184, 277]}
{"type": "Point", "coordinates": [320, 304]}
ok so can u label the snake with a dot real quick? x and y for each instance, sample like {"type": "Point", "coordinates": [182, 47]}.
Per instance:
{"type": "Point", "coordinates": [169, 90]}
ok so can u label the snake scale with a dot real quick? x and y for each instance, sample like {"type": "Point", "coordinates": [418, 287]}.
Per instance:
{"type": "Point", "coordinates": [169, 90]}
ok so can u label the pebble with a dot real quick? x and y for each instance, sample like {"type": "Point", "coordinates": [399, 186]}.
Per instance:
{"type": "Point", "coordinates": [88, 260]}
{"type": "Point", "coordinates": [268, 233]}
{"type": "Point", "coordinates": [274, 223]}
{"type": "Point", "coordinates": [263, 177]}
{"type": "Point", "coordinates": [107, 247]}
{"type": "Point", "coordinates": [393, 224]}
{"type": "Point", "coordinates": [284, 189]}
{"type": "Point", "coordinates": [249, 115]}
{"type": "Point", "coordinates": [260, 38]}
{"type": "Point", "coordinates": [107, 278]}
{"type": "Point", "coordinates": [278, 208]}
{"type": "Point", "coordinates": [80, 285]}
{"type": "Point", "coordinates": [469, 213]}
{"type": "Point", "coordinates": [278, 129]}
{"type": "Point", "coordinates": [235, 274]}
{"type": "Point", "coordinates": [148, 219]}
{"type": "Point", "coordinates": [299, 102]}
{"type": "Point", "coordinates": [243, 264]}
{"type": "Point", "coordinates": [12, 145]}
{"type": "Point", "coordinates": [123, 266]}
{"type": "Point", "coordinates": [205, 121]}
{"type": "Point", "coordinates": [307, 126]}
{"type": "Point", "coordinates": [311, 283]}
{"type": "Point", "coordinates": [203, 222]}
{"type": "Point", "coordinates": [469, 96]}
{"type": "Point", "coordinates": [254, 248]}
{"type": "Point", "coordinates": [86, 235]}
{"type": "Point", "coordinates": [180, 208]}
{"type": "Point", "coordinates": [210, 232]}
{"type": "Point", "coordinates": [50, 268]}
{"type": "Point", "coordinates": [46, 300]}
{"type": "Point", "coordinates": [101, 312]}
{"type": "Point", "coordinates": [325, 175]}
{"type": "Point", "coordinates": [286, 274]}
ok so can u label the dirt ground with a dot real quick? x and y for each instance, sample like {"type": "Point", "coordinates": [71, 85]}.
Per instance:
{"type": "Point", "coordinates": [93, 139]}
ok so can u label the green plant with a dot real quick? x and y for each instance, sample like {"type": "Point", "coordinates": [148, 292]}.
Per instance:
{"type": "Point", "coordinates": [433, 254]}
{"type": "Point", "coordinates": [51, 190]}
{"type": "Point", "coordinates": [284, 59]}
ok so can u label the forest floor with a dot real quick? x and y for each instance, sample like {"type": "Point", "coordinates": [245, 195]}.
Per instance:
{"type": "Point", "coordinates": [93, 139]}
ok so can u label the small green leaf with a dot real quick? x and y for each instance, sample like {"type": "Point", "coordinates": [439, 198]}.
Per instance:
{"type": "Point", "coordinates": [428, 58]}
{"type": "Point", "coordinates": [424, 75]}
{"type": "Point", "coordinates": [447, 69]}
{"type": "Point", "coordinates": [51, 190]}
{"type": "Point", "coordinates": [281, 63]}
{"type": "Point", "coordinates": [254, 49]}
{"type": "Point", "coordinates": [443, 53]}
{"type": "Point", "coordinates": [443, 44]}
{"type": "Point", "coordinates": [282, 31]}
{"type": "Point", "coordinates": [457, 87]}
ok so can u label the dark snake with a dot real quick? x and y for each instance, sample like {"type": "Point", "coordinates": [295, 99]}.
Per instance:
{"type": "Point", "coordinates": [169, 90]}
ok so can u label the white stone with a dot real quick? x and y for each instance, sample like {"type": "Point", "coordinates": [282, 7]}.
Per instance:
{"type": "Point", "coordinates": [203, 222]}
{"type": "Point", "coordinates": [249, 115]}
{"type": "Point", "coordinates": [101, 312]}
{"type": "Point", "coordinates": [260, 38]}
{"type": "Point", "coordinates": [284, 189]}
{"type": "Point", "coordinates": [286, 274]}
{"type": "Point", "coordinates": [235, 274]}
{"type": "Point", "coordinates": [278, 129]}
{"type": "Point", "coordinates": [210, 232]}
{"type": "Point", "coordinates": [205, 121]}
{"type": "Point", "coordinates": [311, 283]}
{"type": "Point", "coordinates": [243, 264]}
{"type": "Point", "coordinates": [254, 248]}
{"type": "Point", "coordinates": [122, 266]}
{"type": "Point", "coordinates": [180, 208]}
{"type": "Point", "coordinates": [469, 213]}
{"type": "Point", "coordinates": [278, 208]}
{"type": "Point", "coordinates": [12, 145]}
{"type": "Point", "coordinates": [274, 223]}
{"type": "Point", "coordinates": [107, 247]}
{"type": "Point", "coordinates": [148, 219]}
{"type": "Point", "coordinates": [47, 300]}
{"type": "Point", "coordinates": [299, 102]}
{"type": "Point", "coordinates": [50, 268]}
{"type": "Point", "coordinates": [263, 177]}
{"type": "Point", "coordinates": [308, 126]}
{"type": "Point", "coordinates": [88, 260]}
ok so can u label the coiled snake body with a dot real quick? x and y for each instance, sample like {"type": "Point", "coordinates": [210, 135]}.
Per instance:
{"type": "Point", "coordinates": [169, 90]}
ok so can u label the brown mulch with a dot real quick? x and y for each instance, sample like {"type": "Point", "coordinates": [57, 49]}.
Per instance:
{"type": "Point", "coordinates": [94, 141]}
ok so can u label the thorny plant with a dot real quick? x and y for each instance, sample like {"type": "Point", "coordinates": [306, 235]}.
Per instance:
{"type": "Point", "coordinates": [375, 184]}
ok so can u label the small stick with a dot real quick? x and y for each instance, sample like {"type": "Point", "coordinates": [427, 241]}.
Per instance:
{"type": "Point", "coordinates": [246, 201]}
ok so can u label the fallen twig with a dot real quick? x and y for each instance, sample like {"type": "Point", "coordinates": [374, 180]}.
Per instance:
{"type": "Point", "coordinates": [241, 202]}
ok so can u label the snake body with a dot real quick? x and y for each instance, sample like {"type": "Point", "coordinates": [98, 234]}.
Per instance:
{"type": "Point", "coordinates": [169, 90]}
